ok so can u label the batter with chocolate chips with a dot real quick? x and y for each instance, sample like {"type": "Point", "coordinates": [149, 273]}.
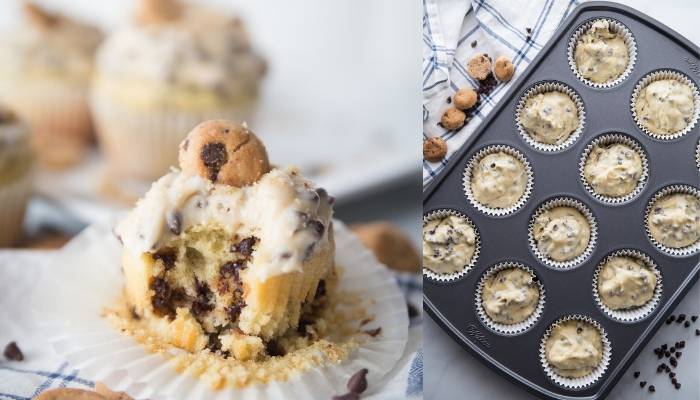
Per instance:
{"type": "Point", "coordinates": [448, 244]}
{"type": "Point", "coordinates": [601, 54]}
{"type": "Point", "coordinates": [574, 348]}
{"type": "Point", "coordinates": [550, 117]}
{"type": "Point", "coordinates": [498, 180]}
{"type": "Point", "coordinates": [561, 233]}
{"type": "Point", "coordinates": [674, 220]}
{"type": "Point", "coordinates": [665, 106]}
{"type": "Point", "coordinates": [613, 170]}
{"type": "Point", "coordinates": [510, 296]}
{"type": "Point", "coordinates": [625, 282]}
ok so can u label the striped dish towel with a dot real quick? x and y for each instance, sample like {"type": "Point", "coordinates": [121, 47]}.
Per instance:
{"type": "Point", "coordinates": [454, 31]}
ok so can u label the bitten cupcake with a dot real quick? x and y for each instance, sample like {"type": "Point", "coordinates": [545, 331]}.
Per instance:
{"type": "Point", "coordinates": [15, 176]}
{"type": "Point", "coordinates": [45, 70]}
{"type": "Point", "coordinates": [158, 76]}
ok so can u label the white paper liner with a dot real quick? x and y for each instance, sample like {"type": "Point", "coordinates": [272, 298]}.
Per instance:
{"type": "Point", "coordinates": [86, 276]}
{"type": "Point", "coordinates": [697, 155]}
{"type": "Point", "coordinates": [584, 381]}
{"type": "Point", "coordinates": [678, 252]}
{"type": "Point", "coordinates": [563, 202]}
{"type": "Point", "coordinates": [659, 75]}
{"type": "Point", "coordinates": [467, 180]}
{"type": "Point", "coordinates": [508, 329]}
{"type": "Point", "coordinates": [612, 138]}
{"type": "Point", "coordinates": [637, 313]}
{"type": "Point", "coordinates": [616, 27]}
{"type": "Point", "coordinates": [441, 213]}
{"type": "Point", "coordinates": [551, 86]}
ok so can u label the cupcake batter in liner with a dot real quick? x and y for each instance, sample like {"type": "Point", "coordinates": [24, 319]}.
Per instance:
{"type": "Point", "coordinates": [635, 313]}
{"type": "Point", "coordinates": [451, 277]}
{"type": "Point", "coordinates": [516, 328]}
{"type": "Point", "coordinates": [542, 88]}
{"type": "Point", "coordinates": [474, 162]}
{"type": "Point", "coordinates": [669, 190]}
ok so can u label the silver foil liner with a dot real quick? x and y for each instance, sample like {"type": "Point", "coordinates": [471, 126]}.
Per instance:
{"type": "Point", "coordinates": [678, 252]}
{"type": "Point", "coordinates": [659, 75]}
{"type": "Point", "coordinates": [564, 202]}
{"type": "Point", "coordinates": [637, 313]}
{"type": "Point", "coordinates": [613, 138]}
{"type": "Point", "coordinates": [544, 87]}
{"type": "Point", "coordinates": [441, 213]}
{"type": "Point", "coordinates": [467, 178]}
{"type": "Point", "coordinates": [584, 381]}
{"type": "Point", "coordinates": [508, 329]}
{"type": "Point", "coordinates": [616, 27]}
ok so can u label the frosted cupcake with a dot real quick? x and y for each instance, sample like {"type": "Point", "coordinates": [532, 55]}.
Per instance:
{"type": "Point", "coordinates": [15, 176]}
{"type": "Point", "coordinates": [45, 69]}
{"type": "Point", "coordinates": [162, 73]}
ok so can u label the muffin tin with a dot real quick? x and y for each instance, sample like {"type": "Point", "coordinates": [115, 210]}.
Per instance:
{"type": "Point", "coordinates": [620, 225]}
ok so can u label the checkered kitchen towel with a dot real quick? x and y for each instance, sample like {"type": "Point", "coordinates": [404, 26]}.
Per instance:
{"type": "Point", "coordinates": [42, 369]}
{"type": "Point", "coordinates": [516, 29]}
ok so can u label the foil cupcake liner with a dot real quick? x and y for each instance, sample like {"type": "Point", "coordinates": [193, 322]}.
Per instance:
{"type": "Point", "coordinates": [544, 87]}
{"type": "Point", "coordinates": [441, 213]}
{"type": "Point", "coordinates": [508, 329]}
{"type": "Point", "coordinates": [615, 27]}
{"type": "Point", "coordinates": [678, 252]}
{"type": "Point", "coordinates": [584, 381]}
{"type": "Point", "coordinates": [563, 202]}
{"type": "Point", "coordinates": [613, 138]}
{"type": "Point", "coordinates": [637, 313]}
{"type": "Point", "coordinates": [659, 75]}
{"type": "Point", "coordinates": [467, 178]}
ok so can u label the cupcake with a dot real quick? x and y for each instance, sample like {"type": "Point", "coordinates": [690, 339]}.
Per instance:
{"type": "Point", "coordinates": [625, 282]}
{"type": "Point", "coordinates": [228, 255]}
{"type": "Point", "coordinates": [574, 348]}
{"type": "Point", "coordinates": [674, 220]}
{"type": "Point", "coordinates": [510, 296]}
{"type": "Point", "coordinates": [449, 244]}
{"type": "Point", "coordinates": [561, 233]}
{"type": "Point", "coordinates": [45, 71]}
{"type": "Point", "coordinates": [550, 117]}
{"type": "Point", "coordinates": [613, 169]}
{"type": "Point", "coordinates": [158, 76]}
{"type": "Point", "coordinates": [601, 53]}
{"type": "Point", "coordinates": [15, 176]}
{"type": "Point", "coordinates": [499, 180]}
{"type": "Point", "coordinates": [665, 106]}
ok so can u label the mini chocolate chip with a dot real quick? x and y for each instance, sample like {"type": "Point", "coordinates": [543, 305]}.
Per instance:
{"type": "Point", "coordinates": [694, 318]}
{"type": "Point", "coordinates": [652, 389]}
{"type": "Point", "coordinates": [347, 396]}
{"type": "Point", "coordinates": [374, 332]}
{"type": "Point", "coordinates": [636, 374]}
{"type": "Point", "coordinates": [660, 368]}
{"type": "Point", "coordinates": [412, 310]}
{"type": "Point", "coordinates": [473, 44]}
{"type": "Point", "coordinates": [12, 352]}
{"type": "Point", "coordinates": [320, 289]}
{"type": "Point", "coordinates": [677, 385]}
{"type": "Point", "coordinates": [687, 324]}
{"type": "Point", "coordinates": [579, 330]}
{"type": "Point", "coordinates": [682, 344]}
{"type": "Point", "coordinates": [245, 247]}
{"type": "Point", "coordinates": [214, 156]}
{"type": "Point", "coordinates": [679, 354]}
{"type": "Point", "coordinates": [167, 256]}
{"type": "Point", "coordinates": [214, 344]}
{"type": "Point", "coordinates": [642, 383]}
{"type": "Point", "coordinates": [174, 220]}
{"type": "Point", "coordinates": [134, 314]}
{"type": "Point", "coordinates": [449, 100]}
{"type": "Point", "coordinates": [697, 332]}
{"type": "Point", "coordinates": [358, 381]}
{"type": "Point", "coordinates": [317, 226]}
{"type": "Point", "coordinates": [234, 311]}
{"type": "Point", "coordinates": [670, 319]}
{"type": "Point", "coordinates": [674, 380]}
{"type": "Point", "coordinates": [232, 269]}
{"type": "Point", "coordinates": [674, 362]}
{"type": "Point", "coordinates": [528, 30]}
{"type": "Point", "coordinates": [274, 349]}
{"type": "Point", "coordinates": [672, 349]}
{"type": "Point", "coordinates": [667, 354]}
{"type": "Point", "coordinates": [672, 374]}
{"type": "Point", "coordinates": [664, 347]}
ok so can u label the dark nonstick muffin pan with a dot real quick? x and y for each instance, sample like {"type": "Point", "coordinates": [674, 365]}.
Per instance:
{"type": "Point", "coordinates": [504, 238]}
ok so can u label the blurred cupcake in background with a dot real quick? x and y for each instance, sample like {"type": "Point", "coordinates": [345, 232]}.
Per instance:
{"type": "Point", "coordinates": [158, 76]}
{"type": "Point", "coordinates": [45, 70]}
{"type": "Point", "coordinates": [15, 175]}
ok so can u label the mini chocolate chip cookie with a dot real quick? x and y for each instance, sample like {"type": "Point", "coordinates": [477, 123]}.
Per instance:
{"type": "Point", "coordinates": [503, 69]}
{"type": "Point", "coordinates": [453, 119]}
{"type": "Point", "coordinates": [434, 149]}
{"type": "Point", "coordinates": [465, 98]}
{"type": "Point", "coordinates": [479, 67]}
{"type": "Point", "coordinates": [69, 394]}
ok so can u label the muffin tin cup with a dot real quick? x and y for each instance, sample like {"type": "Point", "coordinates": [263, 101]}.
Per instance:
{"type": "Point", "coordinates": [615, 27]}
{"type": "Point", "coordinates": [441, 213]}
{"type": "Point", "coordinates": [467, 177]}
{"type": "Point", "coordinates": [613, 138]}
{"type": "Point", "coordinates": [678, 252]}
{"type": "Point", "coordinates": [636, 313]}
{"type": "Point", "coordinates": [656, 76]}
{"type": "Point", "coordinates": [508, 329]}
{"type": "Point", "coordinates": [563, 202]}
{"type": "Point", "coordinates": [584, 381]}
{"type": "Point", "coordinates": [544, 87]}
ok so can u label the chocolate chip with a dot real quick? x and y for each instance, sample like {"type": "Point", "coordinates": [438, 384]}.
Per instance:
{"type": "Point", "coordinates": [672, 349]}
{"type": "Point", "coordinates": [674, 380]}
{"type": "Point", "coordinates": [679, 354]}
{"type": "Point", "coordinates": [202, 304]}
{"type": "Point", "coordinates": [528, 30]}
{"type": "Point", "coordinates": [347, 396]}
{"type": "Point", "coordinates": [682, 344]}
{"type": "Point", "coordinates": [317, 226]}
{"type": "Point", "coordinates": [134, 314]}
{"type": "Point", "coordinates": [165, 299]}
{"type": "Point", "coordinates": [652, 389]}
{"type": "Point", "coordinates": [214, 344]}
{"type": "Point", "coordinates": [697, 332]}
{"type": "Point", "coordinates": [234, 311]}
{"type": "Point", "coordinates": [664, 347]}
{"type": "Point", "coordinates": [579, 330]}
{"type": "Point", "coordinates": [374, 332]}
{"type": "Point", "coordinates": [672, 374]}
{"type": "Point", "coordinates": [274, 349]}
{"type": "Point", "coordinates": [673, 362]}
{"type": "Point", "coordinates": [642, 383]}
{"type": "Point", "coordinates": [245, 247]}
{"type": "Point", "coordinates": [473, 44]}
{"type": "Point", "coordinates": [449, 100]}
{"type": "Point", "coordinates": [694, 318]}
{"type": "Point", "coordinates": [667, 354]}
{"type": "Point", "coordinates": [12, 352]}
{"type": "Point", "coordinates": [670, 319]}
{"type": "Point", "coordinates": [214, 157]}
{"type": "Point", "coordinates": [687, 324]}
{"type": "Point", "coordinates": [636, 374]}
{"type": "Point", "coordinates": [412, 311]}
{"type": "Point", "coordinates": [174, 221]}
{"type": "Point", "coordinates": [677, 385]}
{"type": "Point", "coordinates": [167, 256]}
{"type": "Point", "coordinates": [358, 381]}
{"type": "Point", "coordinates": [320, 289]}
{"type": "Point", "coordinates": [660, 368]}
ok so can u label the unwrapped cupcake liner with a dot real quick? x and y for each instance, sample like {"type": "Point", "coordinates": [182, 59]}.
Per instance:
{"type": "Point", "coordinates": [544, 87]}
{"type": "Point", "coordinates": [656, 76]}
{"type": "Point", "coordinates": [672, 189]}
{"type": "Point", "coordinates": [584, 381]}
{"type": "Point", "coordinates": [564, 202]}
{"type": "Point", "coordinates": [14, 197]}
{"type": "Point", "coordinates": [442, 213]}
{"type": "Point", "coordinates": [614, 138]}
{"type": "Point", "coordinates": [616, 27]}
{"type": "Point", "coordinates": [637, 313]}
{"type": "Point", "coordinates": [88, 272]}
{"type": "Point", "coordinates": [508, 329]}
{"type": "Point", "coordinates": [467, 180]}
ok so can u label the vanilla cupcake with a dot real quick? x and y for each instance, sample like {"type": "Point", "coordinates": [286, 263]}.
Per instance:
{"type": "Point", "coordinates": [169, 68]}
{"type": "Point", "coordinates": [15, 176]}
{"type": "Point", "coordinates": [45, 69]}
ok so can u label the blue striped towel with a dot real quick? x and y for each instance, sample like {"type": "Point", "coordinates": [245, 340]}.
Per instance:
{"type": "Point", "coordinates": [515, 29]}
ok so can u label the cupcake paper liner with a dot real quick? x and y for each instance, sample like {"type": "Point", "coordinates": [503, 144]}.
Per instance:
{"type": "Point", "coordinates": [584, 381]}
{"type": "Point", "coordinates": [467, 178]}
{"type": "Point", "coordinates": [678, 252]}
{"type": "Point", "coordinates": [441, 213]}
{"type": "Point", "coordinates": [613, 138]}
{"type": "Point", "coordinates": [508, 329]}
{"type": "Point", "coordinates": [615, 27]}
{"type": "Point", "coordinates": [659, 75]}
{"type": "Point", "coordinates": [697, 155]}
{"type": "Point", "coordinates": [88, 272]}
{"type": "Point", "coordinates": [564, 202]}
{"type": "Point", "coordinates": [14, 197]}
{"type": "Point", "coordinates": [551, 86]}
{"type": "Point", "coordinates": [637, 313]}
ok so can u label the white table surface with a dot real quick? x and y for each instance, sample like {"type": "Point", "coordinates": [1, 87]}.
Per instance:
{"type": "Point", "coordinates": [452, 373]}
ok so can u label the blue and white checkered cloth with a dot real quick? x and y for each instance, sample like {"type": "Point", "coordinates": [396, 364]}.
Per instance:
{"type": "Point", "coordinates": [515, 29]}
